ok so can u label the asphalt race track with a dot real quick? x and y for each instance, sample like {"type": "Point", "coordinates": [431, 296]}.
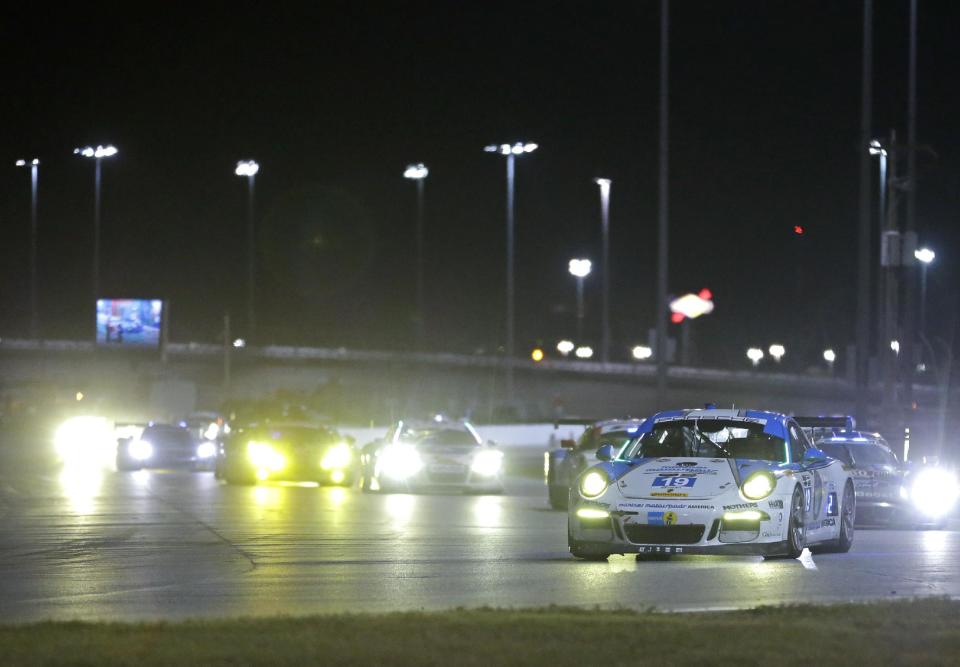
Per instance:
{"type": "Point", "coordinates": [125, 546]}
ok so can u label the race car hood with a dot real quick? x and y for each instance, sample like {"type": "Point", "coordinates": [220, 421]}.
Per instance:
{"type": "Point", "coordinates": [693, 478]}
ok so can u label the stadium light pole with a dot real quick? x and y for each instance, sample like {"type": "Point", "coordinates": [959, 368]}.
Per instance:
{"type": "Point", "coordinates": [418, 173]}
{"type": "Point", "coordinates": [97, 154]}
{"type": "Point", "coordinates": [34, 165]}
{"type": "Point", "coordinates": [249, 169]}
{"type": "Point", "coordinates": [580, 269]}
{"type": "Point", "coordinates": [604, 184]}
{"type": "Point", "coordinates": [925, 256]}
{"type": "Point", "coordinates": [510, 151]}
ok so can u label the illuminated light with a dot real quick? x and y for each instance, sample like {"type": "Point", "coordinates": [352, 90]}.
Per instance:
{"type": "Point", "coordinates": [239, 343]}
{"type": "Point", "coordinates": [565, 347]}
{"type": "Point", "coordinates": [487, 463]}
{"type": "Point", "coordinates": [212, 431]}
{"type": "Point", "coordinates": [262, 474]}
{"type": "Point", "coordinates": [758, 486]}
{"type": "Point", "coordinates": [580, 267]}
{"type": "Point", "coordinates": [399, 461]}
{"type": "Point", "coordinates": [921, 367]}
{"type": "Point", "coordinates": [584, 352]}
{"type": "Point", "coordinates": [99, 152]}
{"type": "Point", "coordinates": [247, 168]}
{"type": "Point", "coordinates": [206, 450]}
{"type": "Point", "coordinates": [829, 356]}
{"type": "Point", "coordinates": [924, 255]}
{"type": "Point", "coordinates": [693, 305]}
{"type": "Point", "coordinates": [676, 318]}
{"type": "Point", "coordinates": [777, 351]}
{"type": "Point", "coordinates": [876, 148]}
{"type": "Point", "coordinates": [747, 515]}
{"type": "Point", "coordinates": [487, 511]}
{"type": "Point", "coordinates": [81, 486]}
{"type": "Point", "coordinates": [934, 492]}
{"type": "Point", "coordinates": [336, 457]}
{"type": "Point", "coordinates": [798, 230]}
{"type": "Point", "coordinates": [604, 184]}
{"type": "Point", "coordinates": [754, 354]}
{"type": "Point", "coordinates": [86, 441]}
{"type": "Point", "coordinates": [140, 450]}
{"type": "Point", "coordinates": [642, 352]}
{"type": "Point", "coordinates": [592, 513]}
{"type": "Point", "coordinates": [416, 172]}
{"type": "Point", "coordinates": [507, 149]}
{"type": "Point", "coordinates": [374, 484]}
{"type": "Point", "coordinates": [546, 465]}
{"type": "Point", "coordinates": [537, 354]}
{"type": "Point", "coordinates": [265, 457]}
{"type": "Point", "coordinates": [593, 484]}
{"type": "Point", "coordinates": [705, 294]}
{"type": "Point", "coordinates": [438, 418]}
{"type": "Point", "coordinates": [401, 507]}
{"type": "Point", "coordinates": [141, 477]}
{"type": "Point", "coordinates": [337, 476]}
{"type": "Point", "coordinates": [79, 395]}
{"type": "Point", "coordinates": [895, 346]}
{"type": "Point", "coordinates": [21, 163]}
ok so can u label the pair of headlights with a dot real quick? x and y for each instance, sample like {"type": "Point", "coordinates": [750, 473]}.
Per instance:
{"type": "Point", "coordinates": [757, 486]}
{"type": "Point", "coordinates": [401, 461]}
{"type": "Point", "coordinates": [141, 450]}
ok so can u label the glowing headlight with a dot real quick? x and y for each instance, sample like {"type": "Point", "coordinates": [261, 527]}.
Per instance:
{"type": "Point", "coordinates": [336, 457]}
{"type": "Point", "coordinates": [745, 515]}
{"type": "Point", "coordinates": [934, 492]}
{"type": "Point", "coordinates": [759, 485]}
{"type": "Point", "coordinates": [140, 450]}
{"type": "Point", "coordinates": [593, 484]}
{"type": "Point", "coordinates": [205, 450]}
{"type": "Point", "coordinates": [212, 431]}
{"type": "Point", "coordinates": [399, 461]}
{"type": "Point", "coordinates": [84, 439]}
{"type": "Point", "coordinates": [591, 513]}
{"type": "Point", "coordinates": [487, 463]}
{"type": "Point", "coordinates": [265, 457]}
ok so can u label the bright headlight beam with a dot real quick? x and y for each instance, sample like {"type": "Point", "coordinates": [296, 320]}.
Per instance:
{"type": "Point", "coordinates": [140, 450]}
{"type": "Point", "coordinates": [399, 461]}
{"type": "Point", "coordinates": [336, 457]}
{"type": "Point", "coordinates": [935, 492]}
{"type": "Point", "coordinates": [206, 450]}
{"type": "Point", "coordinates": [758, 486]}
{"type": "Point", "coordinates": [591, 513]}
{"type": "Point", "coordinates": [593, 484]}
{"type": "Point", "coordinates": [487, 463]}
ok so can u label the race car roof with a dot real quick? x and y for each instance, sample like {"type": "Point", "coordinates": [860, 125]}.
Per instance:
{"type": "Point", "coordinates": [855, 438]}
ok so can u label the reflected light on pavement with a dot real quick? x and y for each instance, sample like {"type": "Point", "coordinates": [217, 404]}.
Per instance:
{"type": "Point", "coordinates": [400, 507]}
{"type": "Point", "coordinates": [486, 511]}
{"type": "Point", "coordinates": [81, 485]}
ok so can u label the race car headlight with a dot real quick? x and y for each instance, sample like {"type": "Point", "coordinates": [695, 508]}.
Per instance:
{"type": "Point", "coordinates": [336, 457]}
{"type": "Point", "coordinates": [85, 439]}
{"type": "Point", "coordinates": [758, 486]}
{"type": "Point", "coordinates": [593, 484]}
{"type": "Point", "coordinates": [140, 450]}
{"type": "Point", "coordinates": [934, 492]}
{"type": "Point", "coordinates": [399, 461]}
{"type": "Point", "coordinates": [487, 463]}
{"type": "Point", "coordinates": [212, 431]}
{"type": "Point", "coordinates": [265, 457]}
{"type": "Point", "coordinates": [206, 450]}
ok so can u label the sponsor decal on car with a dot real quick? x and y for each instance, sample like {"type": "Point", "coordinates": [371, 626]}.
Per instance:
{"type": "Point", "coordinates": [668, 494]}
{"type": "Point", "coordinates": [832, 506]}
{"type": "Point", "coordinates": [828, 522]}
{"type": "Point", "coordinates": [741, 506]}
{"type": "Point", "coordinates": [775, 504]}
{"type": "Point", "coordinates": [661, 518]}
{"type": "Point", "coordinates": [660, 550]}
{"type": "Point", "coordinates": [674, 481]}
{"type": "Point", "coordinates": [664, 506]}
{"type": "Point", "coordinates": [679, 468]}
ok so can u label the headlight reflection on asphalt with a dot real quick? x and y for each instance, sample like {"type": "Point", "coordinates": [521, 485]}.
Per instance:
{"type": "Point", "coordinates": [81, 486]}
{"type": "Point", "coordinates": [400, 508]}
{"type": "Point", "coordinates": [487, 511]}
{"type": "Point", "coordinates": [269, 497]}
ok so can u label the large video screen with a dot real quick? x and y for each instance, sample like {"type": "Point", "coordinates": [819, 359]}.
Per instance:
{"type": "Point", "coordinates": [129, 322]}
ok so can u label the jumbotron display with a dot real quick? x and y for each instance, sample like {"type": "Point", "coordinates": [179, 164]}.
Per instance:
{"type": "Point", "coordinates": [129, 322]}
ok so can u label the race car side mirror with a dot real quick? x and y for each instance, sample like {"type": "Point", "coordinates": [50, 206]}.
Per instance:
{"type": "Point", "coordinates": [568, 444]}
{"type": "Point", "coordinates": [815, 455]}
{"type": "Point", "coordinates": [605, 453]}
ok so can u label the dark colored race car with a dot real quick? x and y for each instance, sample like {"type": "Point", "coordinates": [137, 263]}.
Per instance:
{"type": "Point", "coordinates": [286, 452]}
{"type": "Point", "coordinates": [889, 492]}
{"type": "Point", "coordinates": [563, 465]}
{"type": "Point", "coordinates": [164, 446]}
{"type": "Point", "coordinates": [434, 455]}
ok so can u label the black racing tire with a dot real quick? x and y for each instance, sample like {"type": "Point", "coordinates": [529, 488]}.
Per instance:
{"type": "Point", "coordinates": [848, 518]}
{"type": "Point", "coordinates": [792, 547]}
{"type": "Point", "coordinates": [558, 496]}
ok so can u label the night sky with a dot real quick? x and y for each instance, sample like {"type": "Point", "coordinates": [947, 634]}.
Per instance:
{"type": "Point", "coordinates": [334, 101]}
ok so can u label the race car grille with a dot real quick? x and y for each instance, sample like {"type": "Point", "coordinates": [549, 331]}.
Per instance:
{"type": "Point", "coordinates": [641, 533]}
{"type": "Point", "coordinates": [447, 477]}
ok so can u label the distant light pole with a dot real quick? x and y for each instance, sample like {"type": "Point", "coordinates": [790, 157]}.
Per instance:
{"type": "Point", "coordinates": [604, 184]}
{"type": "Point", "coordinates": [249, 169]}
{"type": "Point", "coordinates": [777, 351]}
{"type": "Point", "coordinates": [97, 154]}
{"type": "Point", "coordinates": [754, 354]}
{"type": "Point", "coordinates": [418, 173]}
{"type": "Point", "coordinates": [830, 357]}
{"type": "Point", "coordinates": [580, 269]}
{"type": "Point", "coordinates": [565, 347]}
{"type": "Point", "coordinates": [510, 152]}
{"type": "Point", "coordinates": [34, 168]}
{"type": "Point", "coordinates": [925, 256]}
{"type": "Point", "coordinates": [876, 148]}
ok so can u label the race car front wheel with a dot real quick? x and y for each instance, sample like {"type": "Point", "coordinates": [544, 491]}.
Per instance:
{"type": "Point", "coordinates": [796, 531]}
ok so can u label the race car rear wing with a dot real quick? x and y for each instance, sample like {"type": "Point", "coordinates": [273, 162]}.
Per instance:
{"type": "Point", "coordinates": [846, 422]}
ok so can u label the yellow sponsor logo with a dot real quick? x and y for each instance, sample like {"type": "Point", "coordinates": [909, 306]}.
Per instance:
{"type": "Point", "coordinates": [669, 518]}
{"type": "Point", "coordinates": [669, 494]}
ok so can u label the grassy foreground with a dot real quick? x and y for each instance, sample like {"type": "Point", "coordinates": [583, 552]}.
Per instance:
{"type": "Point", "coordinates": [925, 632]}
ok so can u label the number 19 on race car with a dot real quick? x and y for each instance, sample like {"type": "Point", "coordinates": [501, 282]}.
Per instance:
{"type": "Point", "coordinates": [674, 481]}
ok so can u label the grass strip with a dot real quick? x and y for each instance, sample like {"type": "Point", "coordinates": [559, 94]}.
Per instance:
{"type": "Point", "coordinates": [920, 632]}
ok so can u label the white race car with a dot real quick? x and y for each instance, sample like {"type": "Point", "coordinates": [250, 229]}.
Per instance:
{"type": "Point", "coordinates": [713, 481]}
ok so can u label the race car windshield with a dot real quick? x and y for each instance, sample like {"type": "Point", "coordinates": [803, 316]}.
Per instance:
{"type": "Point", "coordinates": [873, 455]}
{"type": "Point", "coordinates": [714, 438]}
{"type": "Point", "coordinates": [836, 451]}
{"type": "Point", "coordinates": [295, 436]}
{"type": "Point", "coordinates": [442, 438]}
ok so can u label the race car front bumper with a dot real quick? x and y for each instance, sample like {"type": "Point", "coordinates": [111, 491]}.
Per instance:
{"type": "Point", "coordinates": [669, 527]}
